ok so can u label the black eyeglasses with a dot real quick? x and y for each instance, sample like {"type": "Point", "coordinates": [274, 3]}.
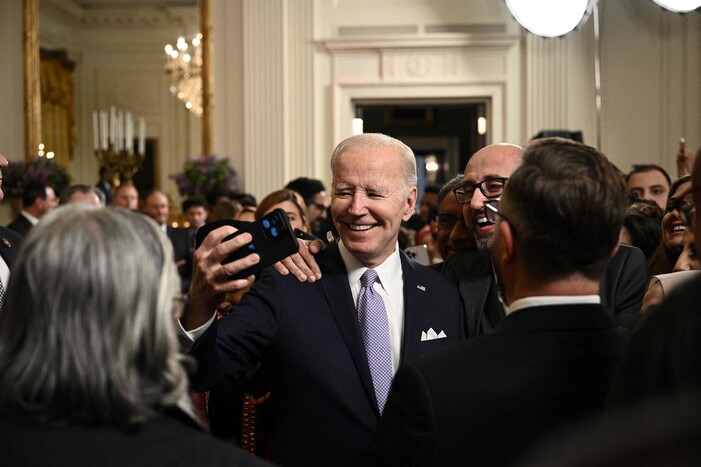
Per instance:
{"type": "Point", "coordinates": [445, 221]}
{"type": "Point", "coordinates": [319, 206]}
{"type": "Point", "coordinates": [491, 211]}
{"type": "Point", "coordinates": [490, 188]}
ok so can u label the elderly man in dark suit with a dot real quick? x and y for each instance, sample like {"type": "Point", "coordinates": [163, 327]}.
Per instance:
{"type": "Point", "coordinates": [327, 383]}
{"type": "Point", "coordinates": [622, 285]}
{"type": "Point", "coordinates": [550, 360]}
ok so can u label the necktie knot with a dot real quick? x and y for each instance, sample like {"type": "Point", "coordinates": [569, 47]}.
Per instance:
{"type": "Point", "coordinates": [368, 278]}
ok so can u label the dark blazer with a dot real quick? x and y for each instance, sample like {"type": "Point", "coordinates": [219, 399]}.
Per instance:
{"type": "Point", "coordinates": [21, 225]}
{"type": "Point", "coordinates": [488, 399]}
{"type": "Point", "coordinates": [663, 356]}
{"type": "Point", "coordinates": [10, 241]}
{"type": "Point", "coordinates": [307, 336]}
{"type": "Point", "coordinates": [621, 289]}
{"type": "Point", "coordinates": [165, 440]}
{"type": "Point", "coordinates": [183, 247]}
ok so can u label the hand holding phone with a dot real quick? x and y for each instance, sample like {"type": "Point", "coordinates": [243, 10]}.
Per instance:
{"type": "Point", "coordinates": [273, 240]}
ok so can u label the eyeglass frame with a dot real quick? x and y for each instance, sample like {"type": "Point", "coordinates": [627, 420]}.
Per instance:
{"type": "Point", "coordinates": [490, 210]}
{"type": "Point", "coordinates": [461, 188]}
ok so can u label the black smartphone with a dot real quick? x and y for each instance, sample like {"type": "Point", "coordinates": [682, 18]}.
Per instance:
{"type": "Point", "coordinates": [273, 240]}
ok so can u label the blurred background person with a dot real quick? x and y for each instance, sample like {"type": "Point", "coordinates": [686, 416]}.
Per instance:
{"type": "Point", "coordinates": [649, 181]}
{"type": "Point", "coordinates": [80, 193]}
{"type": "Point", "coordinates": [642, 226]}
{"type": "Point", "coordinates": [38, 198]}
{"type": "Point", "coordinates": [195, 211]}
{"type": "Point", "coordinates": [110, 386]}
{"type": "Point", "coordinates": [316, 199]}
{"type": "Point", "coordinates": [453, 236]}
{"type": "Point", "coordinates": [104, 184]}
{"type": "Point", "coordinates": [126, 196]}
{"type": "Point", "coordinates": [290, 202]}
{"type": "Point", "coordinates": [156, 206]}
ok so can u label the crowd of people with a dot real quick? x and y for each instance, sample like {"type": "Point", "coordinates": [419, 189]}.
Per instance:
{"type": "Point", "coordinates": [555, 303]}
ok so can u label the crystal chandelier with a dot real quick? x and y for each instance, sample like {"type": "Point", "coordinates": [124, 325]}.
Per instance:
{"type": "Point", "coordinates": [184, 70]}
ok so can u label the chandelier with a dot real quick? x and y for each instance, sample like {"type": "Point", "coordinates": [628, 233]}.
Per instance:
{"type": "Point", "coordinates": [184, 70]}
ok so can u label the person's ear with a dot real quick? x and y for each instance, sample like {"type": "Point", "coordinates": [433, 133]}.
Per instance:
{"type": "Point", "coordinates": [508, 240]}
{"type": "Point", "coordinates": [410, 205]}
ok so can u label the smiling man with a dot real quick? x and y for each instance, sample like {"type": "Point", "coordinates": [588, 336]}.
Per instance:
{"type": "Point", "coordinates": [333, 345]}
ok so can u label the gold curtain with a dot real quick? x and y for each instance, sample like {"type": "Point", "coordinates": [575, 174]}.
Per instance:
{"type": "Point", "coordinates": [58, 132]}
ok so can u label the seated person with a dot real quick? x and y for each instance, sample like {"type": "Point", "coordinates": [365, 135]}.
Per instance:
{"type": "Point", "coordinates": [90, 373]}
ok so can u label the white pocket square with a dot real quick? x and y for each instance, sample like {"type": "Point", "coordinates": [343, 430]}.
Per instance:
{"type": "Point", "coordinates": [431, 335]}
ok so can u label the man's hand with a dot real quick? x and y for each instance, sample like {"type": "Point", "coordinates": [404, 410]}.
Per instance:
{"type": "Point", "coordinates": [211, 279]}
{"type": "Point", "coordinates": [302, 264]}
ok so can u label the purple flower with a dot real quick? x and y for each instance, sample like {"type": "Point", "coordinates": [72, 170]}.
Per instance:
{"type": "Point", "coordinates": [205, 177]}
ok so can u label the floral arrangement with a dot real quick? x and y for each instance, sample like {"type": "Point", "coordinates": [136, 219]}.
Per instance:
{"type": "Point", "coordinates": [206, 176]}
{"type": "Point", "coordinates": [16, 175]}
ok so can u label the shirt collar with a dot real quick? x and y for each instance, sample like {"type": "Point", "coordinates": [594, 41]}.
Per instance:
{"type": "Point", "coordinates": [388, 271]}
{"type": "Point", "coordinates": [551, 300]}
{"type": "Point", "coordinates": [30, 218]}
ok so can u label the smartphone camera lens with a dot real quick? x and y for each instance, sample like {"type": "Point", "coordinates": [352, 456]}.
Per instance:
{"type": "Point", "coordinates": [274, 232]}
{"type": "Point", "coordinates": [266, 223]}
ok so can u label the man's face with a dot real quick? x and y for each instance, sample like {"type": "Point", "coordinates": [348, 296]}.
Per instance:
{"type": "Point", "coordinates": [49, 202]}
{"type": "Point", "coordinates": [196, 216]}
{"type": "Point", "coordinates": [650, 185]}
{"type": "Point", "coordinates": [317, 208]}
{"type": "Point", "coordinates": [452, 236]}
{"type": "Point", "coordinates": [156, 207]}
{"type": "Point", "coordinates": [126, 197]}
{"type": "Point", "coordinates": [3, 163]}
{"type": "Point", "coordinates": [494, 161]}
{"type": "Point", "coordinates": [369, 202]}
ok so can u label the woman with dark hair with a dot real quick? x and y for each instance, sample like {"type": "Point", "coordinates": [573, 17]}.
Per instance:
{"type": "Point", "coordinates": [642, 226]}
{"type": "Point", "coordinates": [667, 252]}
{"type": "Point", "coordinates": [90, 373]}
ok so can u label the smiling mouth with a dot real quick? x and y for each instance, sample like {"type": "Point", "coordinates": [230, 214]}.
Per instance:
{"type": "Point", "coordinates": [678, 228]}
{"type": "Point", "coordinates": [359, 227]}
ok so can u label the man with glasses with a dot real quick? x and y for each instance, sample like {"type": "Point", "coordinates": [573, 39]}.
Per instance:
{"type": "Point", "coordinates": [487, 173]}
{"type": "Point", "coordinates": [549, 362]}
{"type": "Point", "coordinates": [453, 237]}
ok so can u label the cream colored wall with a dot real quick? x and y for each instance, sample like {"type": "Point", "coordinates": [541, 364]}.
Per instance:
{"type": "Point", "coordinates": [274, 77]}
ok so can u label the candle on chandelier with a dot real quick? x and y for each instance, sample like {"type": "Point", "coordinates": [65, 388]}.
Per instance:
{"type": "Point", "coordinates": [129, 136]}
{"type": "Point", "coordinates": [142, 136]}
{"type": "Point", "coordinates": [95, 131]}
{"type": "Point", "coordinates": [103, 128]}
{"type": "Point", "coordinates": [113, 125]}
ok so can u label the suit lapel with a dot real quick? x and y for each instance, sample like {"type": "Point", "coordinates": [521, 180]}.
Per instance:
{"type": "Point", "coordinates": [414, 305]}
{"type": "Point", "coordinates": [340, 300]}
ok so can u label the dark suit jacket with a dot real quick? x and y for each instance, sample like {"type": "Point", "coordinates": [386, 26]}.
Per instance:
{"type": "Point", "coordinates": [663, 356]}
{"type": "Point", "coordinates": [183, 248]}
{"type": "Point", "coordinates": [307, 336]}
{"type": "Point", "coordinates": [487, 399]}
{"type": "Point", "coordinates": [621, 289]}
{"type": "Point", "coordinates": [10, 241]}
{"type": "Point", "coordinates": [21, 225]}
{"type": "Point", "coordinates": [165, 440]}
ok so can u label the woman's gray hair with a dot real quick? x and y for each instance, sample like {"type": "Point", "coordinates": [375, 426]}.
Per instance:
{"type": "Point", "coordinates": [87, 328]}
{"type": "Point", "coordinates": [369, 141]}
